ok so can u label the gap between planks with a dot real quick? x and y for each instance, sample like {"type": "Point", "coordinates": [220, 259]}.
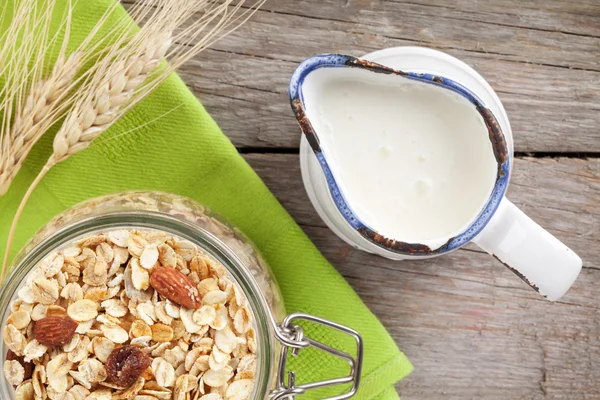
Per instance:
{"type": "Point", "coordinates": [517, 154]}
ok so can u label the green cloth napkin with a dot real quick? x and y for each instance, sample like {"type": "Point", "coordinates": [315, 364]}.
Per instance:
{"type": "Point", "coordinates": [185, 153]}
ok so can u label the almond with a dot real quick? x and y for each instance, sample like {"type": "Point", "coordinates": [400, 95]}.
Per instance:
{"type": "Point", "coordinates": [175, 286]}
{"type": "Point", "coordinates": [54, 330]}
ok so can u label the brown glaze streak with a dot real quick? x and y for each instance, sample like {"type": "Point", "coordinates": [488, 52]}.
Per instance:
{"type": "Point", "coordinates": [305, 125]}
{"type": "Point", "coordinates": [407, 248]}
{"type": "Point", "coordinates": [520, 275]}
{"type": "Point", "coordinates": [371, 66]}
{"type": "Point", "coordinates": [496, 137]}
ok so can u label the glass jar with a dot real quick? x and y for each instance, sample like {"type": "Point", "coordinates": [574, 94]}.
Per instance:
{"type": "Point", "coordinates": [181, 217]}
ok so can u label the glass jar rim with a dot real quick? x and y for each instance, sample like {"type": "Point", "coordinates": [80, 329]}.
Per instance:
{"type": "Point", "coordinates": [33, 254]}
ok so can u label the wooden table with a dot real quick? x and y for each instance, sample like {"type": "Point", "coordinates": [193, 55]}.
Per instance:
{"type": "Point", "coordinates": [472, 329]}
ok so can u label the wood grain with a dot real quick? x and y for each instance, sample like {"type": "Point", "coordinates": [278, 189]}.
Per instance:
{"type": "Point", "coordinates": [470, 326]}
{"type": "Point", "coordinates": [472, 329]}
{"type": "Point", "coordinates": [543, 59]}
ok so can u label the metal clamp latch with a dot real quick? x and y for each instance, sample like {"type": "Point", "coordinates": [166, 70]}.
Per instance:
{"type": "Point", "coordinates": [292, 337]}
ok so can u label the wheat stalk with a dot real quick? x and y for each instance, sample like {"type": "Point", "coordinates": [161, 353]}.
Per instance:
{"type": "Point", "coordinates": [131, 68]}
{"type": "Point", "coordinates": [131, 72]}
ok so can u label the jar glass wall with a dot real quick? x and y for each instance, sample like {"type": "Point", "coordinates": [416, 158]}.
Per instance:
{"type": "Point", "coordinates": [182, 218]}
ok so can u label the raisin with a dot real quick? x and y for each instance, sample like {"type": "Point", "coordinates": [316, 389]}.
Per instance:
{"type": "Point", "coordinates": [125, 364]}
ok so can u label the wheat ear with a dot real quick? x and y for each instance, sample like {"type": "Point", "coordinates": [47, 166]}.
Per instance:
{"type": "Point", "coordinates": [33, 120]}
{"type": "Point", "coordinates": [39, 103]}
{"type": "Point", "coordinates": [130, 70]}
{"type": "Point", "coordinates": [28, 100]}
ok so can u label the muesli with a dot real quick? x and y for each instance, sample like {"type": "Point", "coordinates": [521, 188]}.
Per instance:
{"type": "Point", "coordinates": [129, 314]}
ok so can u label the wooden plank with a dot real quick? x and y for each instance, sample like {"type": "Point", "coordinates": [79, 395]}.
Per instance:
{"type": "Point", "coordinates": [473, 329]}
{"type": "Point", "coordinates": [361, 21]}
{"type": "Point", "coordinates": [549, 80]}
{"type": "Point", "coordinates": [560, 194]}
{"type": "Point", "coordinates": [570, 17]}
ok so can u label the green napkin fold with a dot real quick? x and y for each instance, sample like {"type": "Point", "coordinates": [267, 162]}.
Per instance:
{"type": "Point", "coordinates": [184, 152]}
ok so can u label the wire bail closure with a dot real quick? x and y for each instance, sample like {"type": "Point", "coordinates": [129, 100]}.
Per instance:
{"type": "Point", "coordinates": [292, 337]}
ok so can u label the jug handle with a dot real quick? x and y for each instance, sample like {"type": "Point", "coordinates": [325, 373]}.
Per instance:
{"type": "Point", "coordinates": [531, 252]}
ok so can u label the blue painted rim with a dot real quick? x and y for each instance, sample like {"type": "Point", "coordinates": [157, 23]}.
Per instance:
{"type": "Point", "coordinates": [497, 139]}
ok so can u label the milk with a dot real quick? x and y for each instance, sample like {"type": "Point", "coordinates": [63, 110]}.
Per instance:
{"type": "Point", "coordinates": [413, 161]}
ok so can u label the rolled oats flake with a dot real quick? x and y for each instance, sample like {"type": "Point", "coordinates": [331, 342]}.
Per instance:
{"type": "Point", "coordinates": [132, 391]}
{"type": "Point", "coordinates": [211, 396]}
{"type": "Point", "coordinates": [116, 281]}
{"type": "Point", "coordinates": [100, 394]}
{"type": "Point", "coordinates": [19, 319]}
{"type": "Point", "coordinates": [207, 285]}
{"type": "Point", "coordinates": [79, 392]}
{"type": "Point", "coordinates": [147, 312]}
{"type": "Point", "coordinates": [96, 293]}
{"type": "Point", "coordinates": [14, 372]}
{"type": "Point", "coordinates": [91, 241]}
{"type": "Point", "coordinates": [83, 310]}
{"type": "Point", "coordinates": [149, 256]}
{"type": "Point", "coordinates": [214, 297]}
{"type": "Point", "coordinates": [159, 350]}
{"type": "Point", "coordinates": [72, 292]}
{"type": "Point", "coordinates": [120, 255]}
{"type": "Point", "coordinates": [80, 350]}
{"type": "Point", "coordinates": [221, 317]}
{"type": "Point", "coordinates": [34, 350]}
{"type": "Point", "coordinates": [251, 340]}
{"type": "Point", "coordinates": [164, 372]}
{"type": "Point", "coordinates": [239, 390]}
{"type": "Point", "coordinates": [139, 328]}
{"type": "Point", "coordinates": [167, 256]}
{"type": "Point", "coordinates": [96, 272]}
{"type": "Point", "coordinates": [156, 392]}
{"type": "Point", "coordinates": [54, 266]}
{"type": "Point", "coordinates": [120, 238]}
{"type": "Point", "coordinates": [142, 341]}
{"type": "Point", "coordinates": [136, 245]}
{"type": "Point", "coordinates": [174, 356]}
{"type": "Point", "coordinates": [55, 310]}
{"type": "Point", "coordinates": [26, 294]}
{"type": "Point", "coordinates": [242, 320]}
{"type": "Point", "coordinates": [218, 360]}
{"type": "Point", "coordinates": [45, 291]}
{"type": "Point", "coordinates": [191, 357]}
{"type": "Point", "coordinates": [202, 364]}
{"type": "Point", "coordinates": [114, 333]}
{"type": "Point", "coordinates": [139, 276]}
{"type": "Point", "coordinates": [114, 308]}
{"type": "Point", "coordinates": [72, 344]}
{"type": "Point", "coordinates": [172, 309]}
{"type": "Point", "coordinates": [106, 251]}
{"type": "Point", "coordinates": [162, 333]}
{"type": "Point", "coordinates": [186, 315]}
{"type": "Point", "coordinates": [14, 339]}
{"type": "Point", "coordinates": [247, 364]}
{"type": "Point", "coordinates": [85, 327]}
{"type": "Point", "coordinates": [72, 251]}
{"type": "Point", "coordinates": [217, 378]}
{"type": "Point", "coordinates": [160, 309]}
